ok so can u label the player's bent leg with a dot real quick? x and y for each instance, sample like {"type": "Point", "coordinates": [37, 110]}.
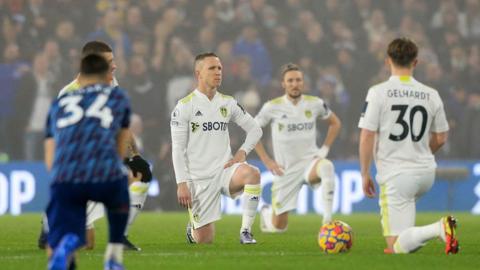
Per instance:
{"type": "Point", "coordinates": [280, 222]}
{"type": "Point", "coordinates": [63, 256]}
{"type": "Point", "coordinates": [204, 234]}
{"type": "Point", "coordinates": [247, 177]}
{"type": "Point", "coordinates": [324, 171]}
{"type": "Point", "coordinates": [138, 192]}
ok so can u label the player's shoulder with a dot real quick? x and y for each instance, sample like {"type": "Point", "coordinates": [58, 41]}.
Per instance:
{"type": "Point", "coordinates": [72, 86]}
{"type": "Point", "coordinates": [276, 101]}
{"type": "Point", "coordinates": [226, 97]}
{"type": "Point", "coordinates": [186, 99]}
{"type": "Point", "coordinates": [310, 98]}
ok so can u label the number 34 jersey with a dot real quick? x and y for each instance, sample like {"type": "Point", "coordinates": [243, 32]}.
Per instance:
{"type": "Point", "coordinates": [84, 125]}
{"type": "Point", "coordinates": [293, 128]}
{"type": "Point", "coordinates": [403, 112]}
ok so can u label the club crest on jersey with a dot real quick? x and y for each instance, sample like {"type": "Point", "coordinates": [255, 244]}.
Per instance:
{"type": "Point", "coordinates": [223, 111]}
{"type": "Point", "coordinates": [195, 126]}
{"type": "Point", "coordinates": [308, 113]}
{"type": "Point", "coordinates": [280, 126]}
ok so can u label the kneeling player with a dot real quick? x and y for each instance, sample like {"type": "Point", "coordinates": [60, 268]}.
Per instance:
{"type": "Point", "coordinates": [137, 188]}
{"type": "Point", "coordinates": [298, 161]}
{"type": "Point", "coordinates": [85, 140]}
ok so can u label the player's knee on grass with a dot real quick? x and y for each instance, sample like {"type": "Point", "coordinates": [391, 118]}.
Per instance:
{"type": "Point", "coordinates": [204, 234]}
{"type": "Point", "coordinates": [280, 222]}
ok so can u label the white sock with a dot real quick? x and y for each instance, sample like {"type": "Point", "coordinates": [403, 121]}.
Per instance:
{"type": "Point", "coordinates": [138, 195]}
{"type": "Point", "coordinates": [326, 172]}
{"type": "Point", "coordinates": [251, 197]}
{"type": "Point", "coordinates": [416, 237]}
{"type": "Point", "coordinates": [114, 251]}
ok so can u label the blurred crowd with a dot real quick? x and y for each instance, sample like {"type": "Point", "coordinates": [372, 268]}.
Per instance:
{"type": "Point", "coordinates": [340, 45]}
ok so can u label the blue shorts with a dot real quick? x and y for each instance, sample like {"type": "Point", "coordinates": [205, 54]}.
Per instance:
{"type": "Point", "coordinates": [66, 210]}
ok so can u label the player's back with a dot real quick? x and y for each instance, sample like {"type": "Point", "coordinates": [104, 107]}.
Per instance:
{"type": "Point", "coordinates": [404, 112]}
{"type": "Point", "coordinates": [85, 125]}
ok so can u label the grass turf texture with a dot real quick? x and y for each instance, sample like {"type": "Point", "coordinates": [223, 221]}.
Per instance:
{"type": "Point", "coordinates": [162, 238]}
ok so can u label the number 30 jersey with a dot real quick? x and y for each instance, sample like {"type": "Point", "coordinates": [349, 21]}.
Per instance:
{"type": "Point", "coordinates": [84, 125]}
{"type": "Point", "coordinates": [403, 112]}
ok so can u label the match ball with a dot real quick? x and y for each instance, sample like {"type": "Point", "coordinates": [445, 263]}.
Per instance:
{"type": "Point", "coordinates": [335, 237]}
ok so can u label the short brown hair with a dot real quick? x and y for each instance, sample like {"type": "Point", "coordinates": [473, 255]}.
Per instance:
{"type": "Point", "coordinates": [202, 56]}
{"type": "Point", "coordinates": [288, 67]}
{"type": "Point", "coordinates": [403, 51]}
{"type": "Point", "coordinates": [96, 47]}
{"type": "Point", "coordinates": [94, 65]}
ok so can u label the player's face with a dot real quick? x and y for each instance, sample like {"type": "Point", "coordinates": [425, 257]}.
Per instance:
{"type": "Point", "coordinates": [111, 61]}
{"type": "Point", "coordinates": [293, 83]}
{"type": "Point", "coordinates": [210, 72]}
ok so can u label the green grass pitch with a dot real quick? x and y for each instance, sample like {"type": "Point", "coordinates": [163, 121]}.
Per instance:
{"type": "Point", "coordinates": [162, 237]}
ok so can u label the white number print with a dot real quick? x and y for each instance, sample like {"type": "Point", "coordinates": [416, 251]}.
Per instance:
{"type": "Point", "coordinates": [96, 109]}
{"type": "Point", "coordinates": [70, 105]}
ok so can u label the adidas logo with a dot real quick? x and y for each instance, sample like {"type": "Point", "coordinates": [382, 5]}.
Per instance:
{"type": "Point", "coordinates": [199, 113]}
{"type": "Point", "coordinates": [138, 206]}
{"type": "Point", "coordinates": [254, 198]}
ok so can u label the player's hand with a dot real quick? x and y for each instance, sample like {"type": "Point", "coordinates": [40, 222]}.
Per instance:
{"type": "Point", "coordinates": [273, 166]}
{"type": "Point", "coordinates": [239, 157]}
{"type": "Point", "coordinates": [368, 186]}
{"type": "Point", "coordinates": [139, 165]}
{"type": "Point", "coordinates": [184, 196]}
{"type": "Point", "coordinates": [323, 152]}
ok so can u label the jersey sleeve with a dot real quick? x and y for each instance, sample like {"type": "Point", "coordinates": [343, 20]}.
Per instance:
{"type": "Point", "coordinates": [439, 122]}
{"type": "Point", "coordinates": [323, 110]}
{"type": "Point", "coordinates": [264, 116]}
{"type": "Point", "coordinates": [247, 123]}
{"type": "Point", "coordinates": [370, 117]}
{"type": "Point", "coordinates": [179, 122]}
{"type": "Point", "coordinates": [49, 127]}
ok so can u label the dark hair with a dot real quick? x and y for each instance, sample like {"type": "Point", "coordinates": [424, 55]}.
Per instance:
{"type": "Point", "coordinates": [403, 51]}
{"type": "Point", "coordinates": [288, 67]}
{"type": "Point", "coordinates": [95, 46]}
{"type": "Point", "coordinates": [94, 65]}
{"type": "Point", "coordinates": [202, 56]}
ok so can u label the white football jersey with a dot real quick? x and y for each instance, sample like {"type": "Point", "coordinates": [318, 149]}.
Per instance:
{"type": "Point", "coordinates": [293, 128]}
{"type": "Point", "coordinates": [403, 112]}
{"type": "Point", "coordinates": [200, 138]}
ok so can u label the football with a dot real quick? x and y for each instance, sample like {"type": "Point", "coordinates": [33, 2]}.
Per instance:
{"type": "Point", "coordinates": [335, 237]}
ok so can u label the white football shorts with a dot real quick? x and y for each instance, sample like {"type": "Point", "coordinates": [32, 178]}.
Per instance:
{"type": "Point", "coordinates": [398, 196]}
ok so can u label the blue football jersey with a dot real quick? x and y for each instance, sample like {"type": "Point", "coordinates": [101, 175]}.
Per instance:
{"type": "Point", "coordinates": [85, 124]}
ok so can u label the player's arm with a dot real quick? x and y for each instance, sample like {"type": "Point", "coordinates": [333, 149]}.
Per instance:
{"type": "Point", "coordinates": [49, 145]}
{"type": "Point", "coordinates": [369, 124]}
{"type": "Point", "coordinates": [367, 140]}
{"type": "Point", "coordinates": [270, 163]}
{"type": "Point", "coordinates": [122, 144]}
{"type": "Point", "coordinates": [439, 129]}
{"type": "Point", "coordinates": [179, 132]}
{"type": "Point", "coordinates": [263, 119]}
{"type": "Point", "coordinates": [253, 130]}
{"type": "Point", "coordinates": [133, 159]}
{"type": "Point", "coordinates": [437, 140]}
{"type": "Point", "coordinates": [49, 142]}
{"type": "Point", "coordinates": [334, 126]}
